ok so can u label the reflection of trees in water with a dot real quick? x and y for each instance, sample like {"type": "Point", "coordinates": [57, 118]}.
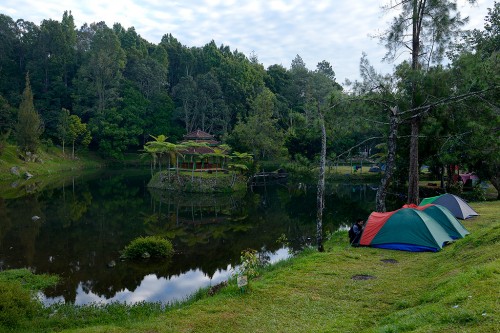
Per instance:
{"type": "Point", "coordinates": [208, 230]}
{"type": "Point", "coordinates": [19, 231]}
{"type": "Point", "coordinates": [195, 208]}
{"type": "Point", "coordinates": [5, 223]}
{"type": "Point", "coordinates": [85, 225]}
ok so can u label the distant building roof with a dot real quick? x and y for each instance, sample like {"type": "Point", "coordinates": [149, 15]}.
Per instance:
{"type": "Point", "coordinates": [199, 135]}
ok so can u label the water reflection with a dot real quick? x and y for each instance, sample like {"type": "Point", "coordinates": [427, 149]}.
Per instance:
{"type": "Point", "coordinates": [154, 288]}
{"type": "Point", "coordinates": [84, 226]}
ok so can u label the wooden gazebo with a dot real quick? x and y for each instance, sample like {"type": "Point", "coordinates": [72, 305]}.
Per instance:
{"type": "Point", "coordinates": [202, 155]}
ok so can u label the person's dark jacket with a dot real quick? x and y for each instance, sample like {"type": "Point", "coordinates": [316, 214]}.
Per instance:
{"type": "Point", "coordinates": [355, 233]}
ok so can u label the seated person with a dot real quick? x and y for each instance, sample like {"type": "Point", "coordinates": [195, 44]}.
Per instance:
{"type": "Point", "coordinates": [355, 232]}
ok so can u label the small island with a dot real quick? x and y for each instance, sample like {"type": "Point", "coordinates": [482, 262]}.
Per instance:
{"type": "Point", "coordinates": [199, 163]}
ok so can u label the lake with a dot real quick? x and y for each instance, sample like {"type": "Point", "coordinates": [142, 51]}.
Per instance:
{"type": "Point", "coordinates": [85, 222]}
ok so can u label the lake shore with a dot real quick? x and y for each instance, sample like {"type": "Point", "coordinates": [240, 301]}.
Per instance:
{"type": "Point", "coordinates": [50, 161]}
{"type": "Point", "coordinates": [344, 289]}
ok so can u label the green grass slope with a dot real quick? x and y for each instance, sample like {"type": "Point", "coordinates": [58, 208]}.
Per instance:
{"type": "Point", "coordinates": [53, 161]}
{"type": "Point", "coordinates": [53, 167]}
{"type": "Point", "coordinates": [357, 290]}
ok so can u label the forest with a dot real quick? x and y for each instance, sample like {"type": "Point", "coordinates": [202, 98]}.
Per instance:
{"type": "Point", "coordinates": [109, 90]}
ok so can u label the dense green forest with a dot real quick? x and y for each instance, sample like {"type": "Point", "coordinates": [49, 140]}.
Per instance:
{"type": "Point", "coordinates": [109, 89]}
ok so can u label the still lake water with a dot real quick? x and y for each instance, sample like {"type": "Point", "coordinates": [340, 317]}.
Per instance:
{"type": "Point", "coordinates": [86, 221]}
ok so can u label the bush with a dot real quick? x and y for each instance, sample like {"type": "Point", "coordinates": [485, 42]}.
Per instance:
{"type": "Point", "coordinates": [16, 304]}
{"type": "Point", "coordinates": [250, 263]}
{"type": "Point", "coordinates": [477, 194]}
{"type": "Point", "coordinates": [151, 246]}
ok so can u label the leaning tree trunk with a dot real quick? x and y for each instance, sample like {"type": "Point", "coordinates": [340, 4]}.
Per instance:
{"type": "Point", "coordinates": [391, 161]}
{"type": "Point", "coordinates": [321, 186]}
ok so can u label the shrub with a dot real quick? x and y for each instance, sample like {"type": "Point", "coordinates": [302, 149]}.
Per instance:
{"type": "Point", "coordinates": [477, 194]}
{"type": "Point", "coordinates": [250, 263]}
{"type": "Point", "coordinates": [151, 246]}
{"type": "Point", "coordinates": [456, 188]}
{"type": "Point", "coordinates": [16, 304]}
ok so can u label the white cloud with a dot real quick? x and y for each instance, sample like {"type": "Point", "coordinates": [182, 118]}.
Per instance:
{"type": "Point", "coordinates": [276, 30]}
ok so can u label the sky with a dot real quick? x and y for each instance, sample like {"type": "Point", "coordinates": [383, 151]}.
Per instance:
{"type": "Point", "coordinates": [276, 31]}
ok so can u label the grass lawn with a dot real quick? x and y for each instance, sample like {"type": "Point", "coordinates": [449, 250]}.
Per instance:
{"type": "Point", "coordinates": [353, 290]}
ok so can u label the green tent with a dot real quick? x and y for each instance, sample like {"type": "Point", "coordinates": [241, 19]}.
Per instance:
{"type": "Point", "coordinates": [406, 229]}
{"type": "Point", "coordinates": [445, 218]}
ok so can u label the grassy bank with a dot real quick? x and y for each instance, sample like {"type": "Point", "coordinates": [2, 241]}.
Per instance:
{"type": "Point", "coordinates": [341, 290]}
{"type": "Point", "coordinates": [53, 168]}
{"type": "Point", "coordinates": [52, 162]}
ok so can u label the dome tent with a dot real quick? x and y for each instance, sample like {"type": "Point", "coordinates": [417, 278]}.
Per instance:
{"type": "Point", "coordinates": [445, 218]}
{"type": "Point", "coordinates": [406, 229]}
{"type": "Point", "coordinates": [456, 205]}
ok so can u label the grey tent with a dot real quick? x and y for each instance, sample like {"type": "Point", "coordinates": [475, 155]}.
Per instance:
{"type": "Point", "coordinates": [456, 205]}
{"type": "Point", "coordinates": [444, 217]}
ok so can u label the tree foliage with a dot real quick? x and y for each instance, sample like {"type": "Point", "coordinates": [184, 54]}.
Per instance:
{"type": "Point", "coordinates": [125, 89]}
{"type": "Point", "coordinates": [425, 29]}
{"type": "Point", "coordinates": [258, 134]}
{"type": "Point", "coordinates": [29, 125]}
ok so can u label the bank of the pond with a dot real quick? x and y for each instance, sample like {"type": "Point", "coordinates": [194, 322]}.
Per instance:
{"type": "Point", "coordinates": [344, 289]}
{"type": "Point", "coordinates": [50, 168]}
{"type": "Point", "coordinates": [48, 161]}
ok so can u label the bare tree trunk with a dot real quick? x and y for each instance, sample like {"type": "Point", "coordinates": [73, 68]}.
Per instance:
{"type": "Point", "coordinates": [413, 172]}
{"type": "Point", "coordinates": [321, 186]}
{"type": "Point", "coordinates": [391, 161]}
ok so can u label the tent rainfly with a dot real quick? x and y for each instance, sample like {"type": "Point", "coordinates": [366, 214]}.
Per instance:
{"type": "Point", "coordinates": [456, 205]}
{"type": "Point", "coordinates": [406, 229]}
{"type": "Point", "coordinates": [443, 216]}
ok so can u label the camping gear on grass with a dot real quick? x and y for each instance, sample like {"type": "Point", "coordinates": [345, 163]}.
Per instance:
{"type": "Point", "coordinates": [443, 216]}
{"type": "Point", "coordinates": [406, 229]}
{"type": "Point", "coordinates": [456, 205]}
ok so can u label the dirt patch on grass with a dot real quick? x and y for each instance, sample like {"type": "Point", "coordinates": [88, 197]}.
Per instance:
{"type": "Point", "coordinates": [389, 261]}
{"type": "Point", "coordinates": [363, 277]}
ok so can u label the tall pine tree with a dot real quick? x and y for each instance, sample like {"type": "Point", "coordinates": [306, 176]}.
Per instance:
{"type": "Point", "coordinates": [424, 28]}
{"type": "Point", "coordinates": [29, 126]}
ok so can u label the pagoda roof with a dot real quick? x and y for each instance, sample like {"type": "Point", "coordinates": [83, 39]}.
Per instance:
{"type": "Point", "coordinates": [198, 135]}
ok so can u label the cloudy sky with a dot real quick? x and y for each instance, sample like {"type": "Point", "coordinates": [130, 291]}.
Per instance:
{"type": "Point", "coordinates": [337, 31]}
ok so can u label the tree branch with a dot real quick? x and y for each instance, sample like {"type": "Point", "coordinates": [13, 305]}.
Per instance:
{"type": "Point", "coordinates": [418, 111]}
